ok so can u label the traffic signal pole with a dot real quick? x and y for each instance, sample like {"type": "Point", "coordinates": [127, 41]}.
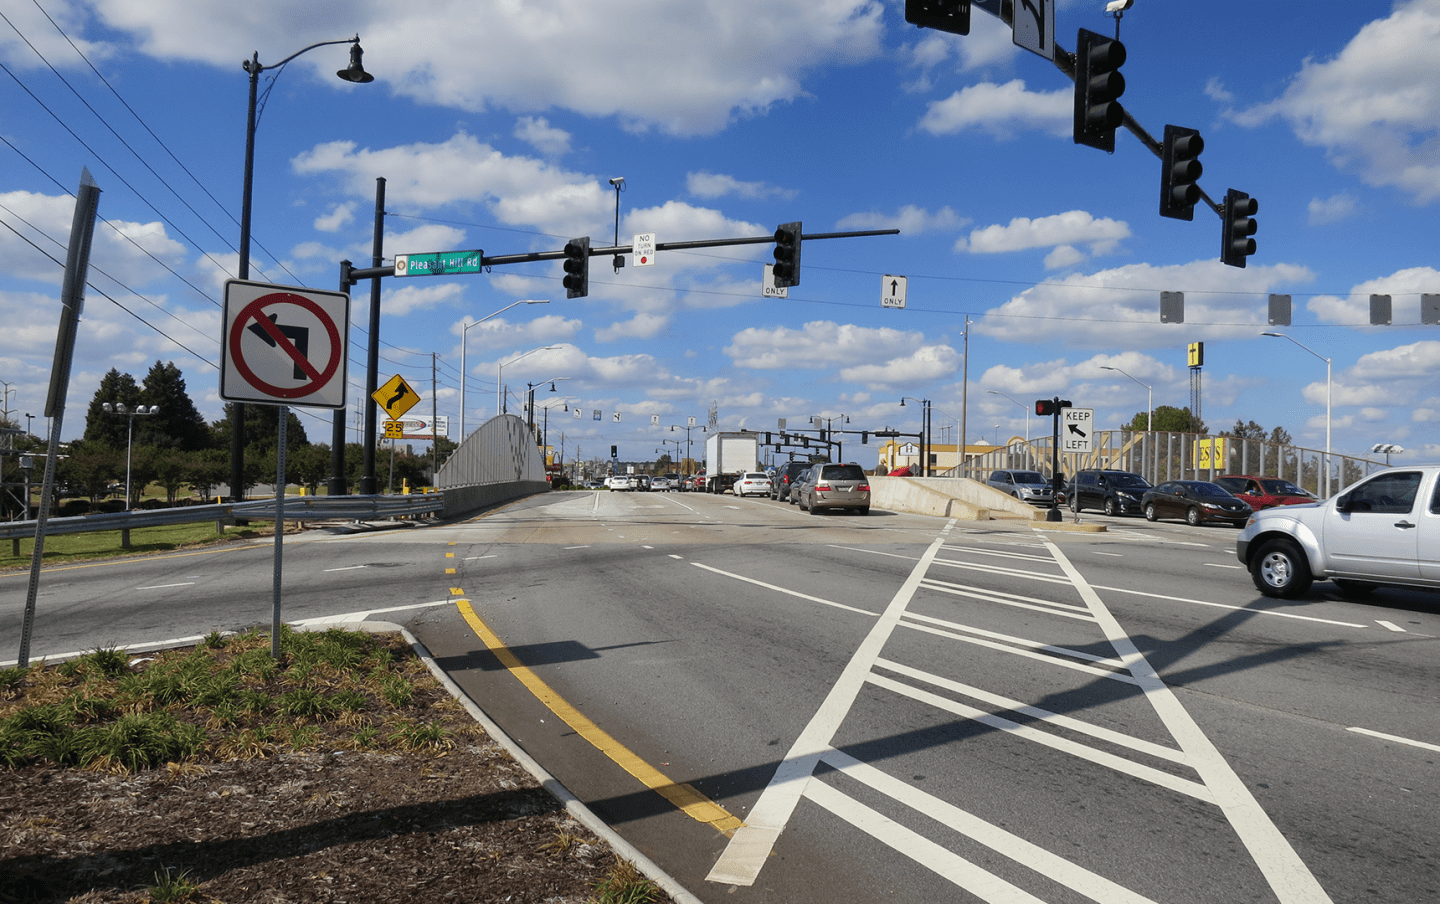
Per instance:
{"type": "Point", "coordinates": [350, 276]}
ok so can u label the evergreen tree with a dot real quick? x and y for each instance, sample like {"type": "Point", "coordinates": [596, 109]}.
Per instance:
{"type": "Point", "coordinates": [107, 427]}
{"type": "Point", "coordinates": [179, 425]}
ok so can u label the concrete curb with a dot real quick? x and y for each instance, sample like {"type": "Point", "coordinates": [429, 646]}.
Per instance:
{"type": "Point", "coordinates": [573, 805]}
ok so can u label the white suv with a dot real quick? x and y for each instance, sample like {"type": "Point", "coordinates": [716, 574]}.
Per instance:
{"type": "Point", "coordinates": [1384, 529]}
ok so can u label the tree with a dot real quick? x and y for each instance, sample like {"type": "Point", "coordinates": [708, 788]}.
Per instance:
{"type": "Point", "coordinates": [102, 426]}
{"type": "Point", "coordinates": [172, 471]}
{"type": "Point", "coordinates": [309, 466]}
{"type": "Point", "coordinates": [178, 425]}
{"type": "Point", "coordinates": [261, 430]}
{"type": "Point", "coordinates": [208, 469]}
{"type": "Point", "coordinates": [91, 467]}
{"type": "Point", "coordinates": [1169, 419]}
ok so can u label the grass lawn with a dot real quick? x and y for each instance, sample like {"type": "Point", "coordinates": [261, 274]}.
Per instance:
{"type": "Point", "coordinates": [102, 544]}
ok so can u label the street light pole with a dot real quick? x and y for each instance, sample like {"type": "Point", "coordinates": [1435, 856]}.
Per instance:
{"type": "Point", "coordinates": [121, 409]}
{"type": "Point", "coordinates": [356, 73]}
{"type": "Point", "coordinates": [1329, 397]}
{"type": "Point", "coordinates": [500, 369]}
{"type": "Point", "coordinates": [1149, 418]}
{"type": "Point", "coordinates": [1027, 412]}
{"type": "Point", "coordinates": [464, 333]}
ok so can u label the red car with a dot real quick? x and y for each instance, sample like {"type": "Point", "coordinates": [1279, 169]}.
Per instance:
{"type": "Point", "coordinates": [1265, 492]}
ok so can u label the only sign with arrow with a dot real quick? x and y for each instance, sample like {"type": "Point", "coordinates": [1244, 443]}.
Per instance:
{"type": "Point", "coordinates": [892, 291]}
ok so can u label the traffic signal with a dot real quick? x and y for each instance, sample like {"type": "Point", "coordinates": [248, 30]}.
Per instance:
{"type": "Point", "coordinates": [1044, 407]}
{"type": "Point", "coordinates": [614, 451]}
{"type": "Point", "coordinates": [787, 255]}
{"type": "Point", "coordinates": [864, 437]}
{"type": "Point", "coordinates": [1238, 225]}
{"type": "Point", "coordinates": [943, 15]}
{"type": "Point", "coordinates": [1098, 86]}
{"type": "Point", "coordinates": [577, 267]}
{"type": "Point", "coordinates": [1180, 173]}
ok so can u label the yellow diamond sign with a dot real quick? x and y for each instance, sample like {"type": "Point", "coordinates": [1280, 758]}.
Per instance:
{"type": "Point", "coordinates": [395, 397]}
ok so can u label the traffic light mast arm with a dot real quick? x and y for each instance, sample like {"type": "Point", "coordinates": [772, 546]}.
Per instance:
{"type": "Point", "coordinates": [1065, 62]}
{"type": "Point", "coordinates": [357, 274]}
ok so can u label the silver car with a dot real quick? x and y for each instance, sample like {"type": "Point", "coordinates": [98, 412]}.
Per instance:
{"type": "Point", "coordinates": [1380, 531]}
{"type": "Point", "coordinates": [836, 486]}
{"type": "Point", "coordinates": [1027, 486]}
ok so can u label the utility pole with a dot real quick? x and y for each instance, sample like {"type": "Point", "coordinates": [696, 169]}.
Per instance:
{"type": "Point", "coordinates": [434, 423]}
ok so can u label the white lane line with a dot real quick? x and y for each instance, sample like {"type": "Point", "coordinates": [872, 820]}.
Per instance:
{"type": "Point", "coordinates": [1119, 739]}
{"type": "Point", "coordinates": [1289, 878]}
{"type": "Point", "coordinates": [1391, 626]}
{"type": "Point", "coordinates": [1120, 764]}
{"type": "Point", "coordinates": [1038, 657]}
{"type": "Point", "coordinates": [1014, 641]}
{"type": "Point", "coordinates": [1195, 602]}
{"type": "Point", "coordinates": [778, 589]}
{"type": "Point", "coordinates": [473, 558]}
{"type": "Point", "coordinates": [346, 568]}
{"type": "Point", "coordinates": [979, 882]}
{"type": "Point", "coordinates": [673, 556]}
{"type": "Point", "coordinates": [1113, 555]}
{"type": "Point", "coordinates": [164, 586]}
{"type": "Point", "coordinates": [586, 546]}
{"type": "Point", "coordinates": [1396, 738]}
{"type": "Point", "coordinates": [750, 846]}
{"type": "Point", "coordinates": [1218, 565]}
{"type": "Point", "coordinates": [1077, 878]}
{"type": "Point", "coordinates": [1009, 599]}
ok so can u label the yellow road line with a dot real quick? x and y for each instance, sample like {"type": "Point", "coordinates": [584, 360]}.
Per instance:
{"type": "Point", "coordinates": [694, 804]}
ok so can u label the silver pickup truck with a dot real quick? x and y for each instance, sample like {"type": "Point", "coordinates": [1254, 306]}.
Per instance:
{"type": "Point", "coordinates": [1385, 529]}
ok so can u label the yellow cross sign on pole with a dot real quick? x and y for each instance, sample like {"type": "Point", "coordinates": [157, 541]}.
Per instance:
{"type": "Point", "coordinates": [395, 397]}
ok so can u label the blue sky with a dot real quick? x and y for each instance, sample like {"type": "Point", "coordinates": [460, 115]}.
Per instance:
{"type": "Point", "coordinates": [498, 124]}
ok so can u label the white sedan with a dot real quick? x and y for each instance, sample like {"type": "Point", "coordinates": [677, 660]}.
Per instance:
{"type": "Point", "coordinates": [753, 483]}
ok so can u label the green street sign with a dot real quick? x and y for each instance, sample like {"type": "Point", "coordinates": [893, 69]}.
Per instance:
{"type": "Point", "coordinates": [439, 263]}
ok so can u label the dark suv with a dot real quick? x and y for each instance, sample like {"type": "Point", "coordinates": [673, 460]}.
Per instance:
{"type": "Point", "coordinates": [784, 476]}
{"type": "Point", "coordinates": [1112, 492]}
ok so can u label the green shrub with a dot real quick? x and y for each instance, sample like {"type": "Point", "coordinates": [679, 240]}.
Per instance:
{"type": "Point", "coordinates": [141, 741]}
{"type": "Point", "coordinates": [304, 702]}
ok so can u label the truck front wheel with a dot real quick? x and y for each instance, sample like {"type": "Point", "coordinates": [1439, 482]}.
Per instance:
{"type": "Point", "coordinates": [1281, 570]}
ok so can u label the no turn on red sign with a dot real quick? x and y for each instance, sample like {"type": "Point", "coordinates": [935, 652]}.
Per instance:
{"type": "Point", "coordinates": [284, 345]}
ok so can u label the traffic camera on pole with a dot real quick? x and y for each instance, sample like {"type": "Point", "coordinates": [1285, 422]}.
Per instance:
{"type": "Point", "coordinates": [1098, 86]}
{"type": "Point", "coordinates": [943, 15]}
{"type": "Point", "coordinates": [1238, 224]}
{"type": "Point", "coordinates": [787, 255]}
{"type": "Point", "coordinates": [1180, 171]}
{"type": "Point", "coordinates": [577, 267]}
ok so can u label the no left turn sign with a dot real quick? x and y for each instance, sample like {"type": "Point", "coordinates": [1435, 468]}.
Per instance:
{"type": "Point", "coordinates": [284, 345]}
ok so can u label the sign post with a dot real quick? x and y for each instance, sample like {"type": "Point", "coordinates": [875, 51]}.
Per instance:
{"type": "Point", "coordinates": [283, 346]}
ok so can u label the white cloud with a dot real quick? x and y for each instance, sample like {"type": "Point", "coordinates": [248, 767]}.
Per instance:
{"type": "Point", "coordinates": [126, 250]}
{"type": "Point", "coordinates": [1003, 111]}
{"type": "Point", "coordinates": [1404, 287]}
{"type": "Point", "coordinates": [1061, 231]}
{"type": "Point", "coordinates": [925, 365]}
{"type": "Point", "coordinates": [1333, 209]}
{"type": "Point", "coordinates": [716, 185]}
{"type": "Point", "coordinates": [539, 134]}
{"type": "Point", "coordinates": [720, 59]}
{"type": "Point", "coordinates": [818, 345]}
{"type": "Point", "coordinates": [338, 218]}
{"type": "Point", "coordinates": [1375, 106]}
{"type": "Point", "coordinates": [910, 220]}
{"type": "Point", "coordinates": [1120, 307]}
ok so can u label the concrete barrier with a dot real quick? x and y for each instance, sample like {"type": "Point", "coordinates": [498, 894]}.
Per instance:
{"type": "Point", "coordinates": [949, 497]}
{"type": "Point", "coordinates": [463, 500]}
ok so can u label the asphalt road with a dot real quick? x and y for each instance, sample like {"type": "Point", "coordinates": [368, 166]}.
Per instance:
{"type": "Point", "coordinates": [896, 707]}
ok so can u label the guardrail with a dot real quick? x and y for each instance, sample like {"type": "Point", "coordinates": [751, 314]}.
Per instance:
{"type": "Point", "coordinates": [297, 508]}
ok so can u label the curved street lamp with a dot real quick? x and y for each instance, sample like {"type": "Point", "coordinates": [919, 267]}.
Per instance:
{"type": "Point", "coordinates": [355, 73]}
{"type": "Point", "coordinates": [500, 368]}
{"type": "Point", "coordinates": [464, 333]}
{"type": "Point", "coordinates": [1027, 412]}
{"type": "Point", "coordinates": [1149, 420]}
{"type": "Point", "coordinates": [1328, 398]}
